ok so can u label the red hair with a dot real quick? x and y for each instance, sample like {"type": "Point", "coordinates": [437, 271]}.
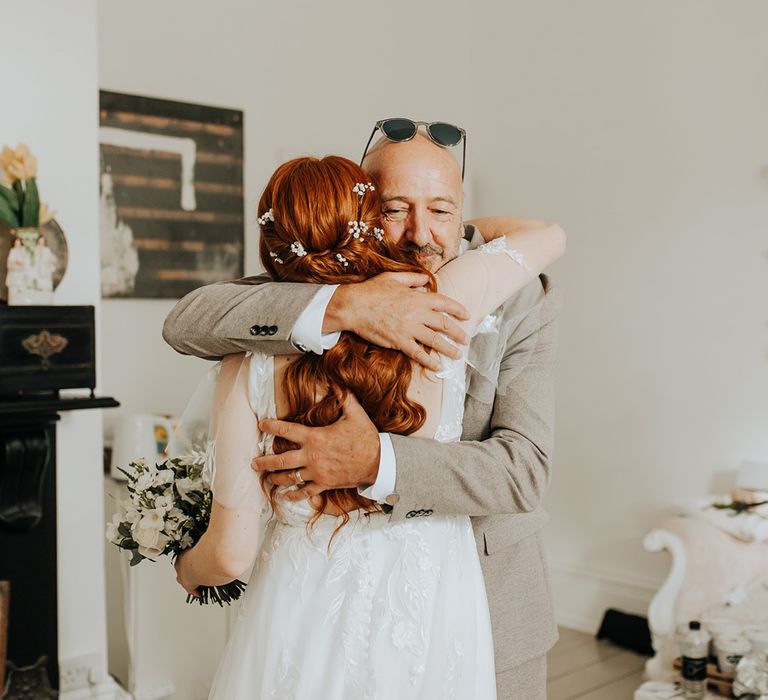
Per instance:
{"type": "Point", "coordinates": [313, 203]}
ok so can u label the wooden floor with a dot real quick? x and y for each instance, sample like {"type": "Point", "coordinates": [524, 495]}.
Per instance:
{"type": "Point", "coordinates": [581, 667]}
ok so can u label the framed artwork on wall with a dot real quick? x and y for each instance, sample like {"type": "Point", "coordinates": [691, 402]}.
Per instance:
{"type": "Point", "coordinates": [171, 196]}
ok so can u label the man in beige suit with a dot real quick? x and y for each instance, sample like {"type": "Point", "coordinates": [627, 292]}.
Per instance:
{"type": "Point", "coordinates": [499, 472]}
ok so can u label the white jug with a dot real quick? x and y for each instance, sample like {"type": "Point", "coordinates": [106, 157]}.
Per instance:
{"type": "Point", "coordinates": [142, 436]}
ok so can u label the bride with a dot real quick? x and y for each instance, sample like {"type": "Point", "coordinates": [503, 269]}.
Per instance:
{"type": "Point", "coordinates": [341, 603]}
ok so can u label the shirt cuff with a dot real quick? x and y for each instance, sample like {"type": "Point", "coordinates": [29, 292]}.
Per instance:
{"type": "Point", "coordinates": [387, 476]}
{"type": "Point", "coordinates": [307, 334]}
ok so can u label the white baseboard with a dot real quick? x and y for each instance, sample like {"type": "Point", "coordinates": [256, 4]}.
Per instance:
{"type": "Point", "coordinates": [582, 594]}
{"type": "Point", "coordinates": [107, 690]}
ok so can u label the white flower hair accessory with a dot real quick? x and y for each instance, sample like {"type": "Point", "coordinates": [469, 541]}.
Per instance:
{"type": "Point", "coordinates": [357, 228]}
{"type": "Point", "coordinates": [378, 233]}
{"type": "Point", "coordinates": [276, 257]}
{"type": "Point", "coordinates": [267, 216]}
{"type": "Point", "coordinates": [342, 259]}
{"type": "Point", "coordinates": [362, 187]}
{"type": "Point", "coordinates": [298, 249]}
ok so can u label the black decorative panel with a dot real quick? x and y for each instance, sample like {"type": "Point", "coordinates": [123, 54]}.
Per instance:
{"type": "Point", "coordinates": [46, 348]}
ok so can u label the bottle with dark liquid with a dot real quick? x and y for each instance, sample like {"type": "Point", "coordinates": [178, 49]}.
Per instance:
{"type": "Point", "coordinates": [695, 651]}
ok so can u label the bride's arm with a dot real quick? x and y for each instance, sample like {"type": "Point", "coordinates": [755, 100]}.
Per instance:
{"type": "Point", "coordinates": [483, 278]}
{"type": "Point", "coordinates": [493, 227]}
{"type": "Point", "coordinates": [229, 545]}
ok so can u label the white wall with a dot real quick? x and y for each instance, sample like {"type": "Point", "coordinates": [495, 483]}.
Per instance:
{"type": "Point", "coordinates": [51, 104]}
{"type": "Point", "coordinates": [640, 127]}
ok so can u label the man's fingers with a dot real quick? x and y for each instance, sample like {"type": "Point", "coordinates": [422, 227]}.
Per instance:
{"type": "Point", "coordinates": [440, 302]}
{"type": "Point", "coordinates": [417, 353]}
{"type": "Point", "coordinates": [447, 326]}
{"type": "Point", "coordinates": [287, 478]}
{"type": "Point", "coordinates": [294, 432]}
{"type": "Point", "coordinates": [293, 459]}
{"type": "Point", "coordinates": [438, 343]}
{"type": "Point", "coordinates": [408, 279]}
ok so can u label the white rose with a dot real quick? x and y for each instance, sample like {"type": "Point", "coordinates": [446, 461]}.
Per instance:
{"type": "Point", "coordinates": [132, 514]}
{"type": "Point", "coordinates": [164, 503]}
{"type": "Point", "coordinates": [186, 486]}
{"type": "Point", "coordinates": [144, 481]}
{"type": "Point", "coordinates": [151, 542]}
{"type": "Point", "coordinates": [151, 520]}
{"type": "Point", "coordinates": [112, 533]}
{"type": "Point", "coordinates": [164, 476]}
{"type": "Point", "coordinates": [177, 514]}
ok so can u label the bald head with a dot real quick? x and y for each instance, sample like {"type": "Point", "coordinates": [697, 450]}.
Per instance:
{"type": "Point", "coordinates": [385, 154]}
{"type": "Point", "coordinates": [422, 197]}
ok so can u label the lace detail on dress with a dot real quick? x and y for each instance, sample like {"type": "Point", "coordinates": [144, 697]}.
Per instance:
{"type": "Point", "coordinates": [499, 247]}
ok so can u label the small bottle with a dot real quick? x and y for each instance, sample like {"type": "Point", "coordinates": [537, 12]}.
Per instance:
{"type": "Point", "coordinates": [695, 650]}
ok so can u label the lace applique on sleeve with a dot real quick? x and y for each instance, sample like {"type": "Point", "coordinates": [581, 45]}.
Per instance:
{"type": "Point", "coordinates": [499, 247]}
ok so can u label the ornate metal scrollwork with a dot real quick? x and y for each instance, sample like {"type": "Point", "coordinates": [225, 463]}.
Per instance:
{"type": "Point", "coordinates": [44, 344]}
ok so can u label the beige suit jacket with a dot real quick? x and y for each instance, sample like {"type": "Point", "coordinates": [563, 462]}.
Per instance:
{"type": "Point", "coordinates": [497, 474]}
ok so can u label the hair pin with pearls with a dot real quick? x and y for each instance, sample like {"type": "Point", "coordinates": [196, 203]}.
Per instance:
{"type": "Point", "coordinates": [342, 259]}
{"type": "Point", "coordinates": [378, 233]}
{"type": "Point", "coordinates": [276, 257]}
{"type": "Point", "coordinates": [362, 187]}
{"type": "Point", "coordinates": [298, 249]}
{"type": "Point", "coordinates": [357, 228]}
{"type": "Point", "coordinates": [266, 216]}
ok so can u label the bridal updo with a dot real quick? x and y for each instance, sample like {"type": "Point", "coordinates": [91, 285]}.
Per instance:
{"type": "Point", "coordinates": [320, 222]}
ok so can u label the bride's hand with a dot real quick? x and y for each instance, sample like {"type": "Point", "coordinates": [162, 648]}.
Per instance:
{"type": "Point", "coordinates": [181, 576]}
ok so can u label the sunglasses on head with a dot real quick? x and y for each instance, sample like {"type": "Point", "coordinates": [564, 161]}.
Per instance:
{"type": "Point", "coordinates": [400, 130]}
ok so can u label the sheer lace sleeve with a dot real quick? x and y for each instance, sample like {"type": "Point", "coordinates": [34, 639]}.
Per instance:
{"type": "Point", "coordinates": [483, 278]}
{"type": "Point", "coordinates": [240, 393]}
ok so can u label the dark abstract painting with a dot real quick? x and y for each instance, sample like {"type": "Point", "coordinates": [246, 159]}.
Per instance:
{"type": "Point", "coordinates": [171, 196]}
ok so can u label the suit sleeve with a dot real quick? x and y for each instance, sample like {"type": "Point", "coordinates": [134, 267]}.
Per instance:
{"type": "Point", "coordinates": [508, 470]}
{"type": "Point", "coordinates": [250, 314]}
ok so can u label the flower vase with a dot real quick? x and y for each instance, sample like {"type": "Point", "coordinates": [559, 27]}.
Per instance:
{"type": "Point", "coordinates": [30, 269]}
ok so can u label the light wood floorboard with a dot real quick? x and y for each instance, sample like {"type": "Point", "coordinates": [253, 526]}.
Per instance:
{"type": "Point", "coordinates": [581, 668]}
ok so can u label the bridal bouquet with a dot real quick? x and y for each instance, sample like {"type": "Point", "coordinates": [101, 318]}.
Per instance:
{"type": "Point", "coordinates": [167, 512]}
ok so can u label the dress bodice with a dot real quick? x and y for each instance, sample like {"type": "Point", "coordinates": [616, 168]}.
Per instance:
{"type": "Point", "coordinates": [261, 396]}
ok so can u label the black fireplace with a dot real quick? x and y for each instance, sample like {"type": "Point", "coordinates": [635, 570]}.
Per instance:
{"type": "Point", "coordinates": [43, 350]}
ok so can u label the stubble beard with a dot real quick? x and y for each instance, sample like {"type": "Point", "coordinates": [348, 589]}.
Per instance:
{"type": "Point", "coordinates": [433, 257]}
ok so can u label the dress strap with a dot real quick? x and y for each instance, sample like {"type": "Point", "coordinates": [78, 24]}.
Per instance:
{"type": "Point", "coordinates": [261, 384]}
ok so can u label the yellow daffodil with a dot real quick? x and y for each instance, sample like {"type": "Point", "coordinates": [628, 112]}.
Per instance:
{"type": "Point", "coordinates": [45, 214]}
{"type": "Point", "coordinates": [19, 164]}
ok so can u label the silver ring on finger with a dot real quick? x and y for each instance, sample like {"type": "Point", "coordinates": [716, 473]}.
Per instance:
{"type": "Point", "coordinates": [297, 477]}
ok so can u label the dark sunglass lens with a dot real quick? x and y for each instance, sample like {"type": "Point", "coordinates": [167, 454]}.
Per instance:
{"type": "Point", "coordinates": [399, 129]}
{"type": "Point", "coordinates": [445, 134]}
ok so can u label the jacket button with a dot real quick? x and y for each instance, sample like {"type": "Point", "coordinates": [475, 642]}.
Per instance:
{"type": "Point", "coordinates": [272, 330]}
{"type": "Point", "coordinates": [410, 514]}
{"type": "Point", "coordinates": [429, 511]}
{"type": "Point", "coordinates": [254, 330]}
{"type": "Point", "coordinates": [264, 330]}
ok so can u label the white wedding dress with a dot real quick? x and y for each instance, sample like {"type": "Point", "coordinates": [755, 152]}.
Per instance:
{"type": "Point", "coordinates": [390, 610]}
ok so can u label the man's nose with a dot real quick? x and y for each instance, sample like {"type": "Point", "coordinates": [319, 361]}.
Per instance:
{"type": "Point", "coordinates": [417, 231]}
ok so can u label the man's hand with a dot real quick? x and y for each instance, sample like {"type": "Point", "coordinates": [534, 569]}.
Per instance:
{"type": "Point", "coordinates": [392, 311]}
{"type": "Point", "coordinates": [344, 454]}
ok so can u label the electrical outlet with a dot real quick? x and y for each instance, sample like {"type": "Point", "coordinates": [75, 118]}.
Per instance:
{"type": "Point", "coordinates": [78, 672]}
